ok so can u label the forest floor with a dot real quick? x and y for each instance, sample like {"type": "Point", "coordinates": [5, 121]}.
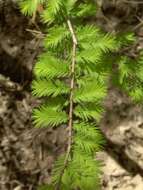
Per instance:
{"type": "Point", "coordinates": [27, 154]}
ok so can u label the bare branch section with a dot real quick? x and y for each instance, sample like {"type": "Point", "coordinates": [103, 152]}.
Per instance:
{"type": "Point", "coordinates": [72, 84]}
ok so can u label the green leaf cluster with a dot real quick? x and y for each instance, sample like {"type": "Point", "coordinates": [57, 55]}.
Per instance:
{"type": "Point", "coordinates": [52, 81]}
{"type": "Point", "coordinates": [28, 7]}
{"type": "Point", "coordinates": [94, 63]}
{"type": "Point", "coordinates": [130, 76]}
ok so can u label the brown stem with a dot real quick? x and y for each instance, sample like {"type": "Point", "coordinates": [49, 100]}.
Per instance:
{"type": "Point", "coordinates": [33, 17]}
{"type": "Point", "coordinates": [70, 124]}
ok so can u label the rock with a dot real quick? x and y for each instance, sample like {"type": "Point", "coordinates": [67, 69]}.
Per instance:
{"type": "Point", "coordinates": [124, 156]}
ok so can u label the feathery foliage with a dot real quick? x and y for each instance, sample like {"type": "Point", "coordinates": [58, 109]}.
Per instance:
{"type": "Point", "coordinates": [78, 168]}
{"type": "Point", "coordinates": [48, 116]}
{"type": "Point", "coordinates": [73, 75]}
{"type": "Point", "coordinates": [50, 67]}
{"type": "Point", "coordinates": [29, 7]}
{"type": "Point", "coordinates": [129, 76]}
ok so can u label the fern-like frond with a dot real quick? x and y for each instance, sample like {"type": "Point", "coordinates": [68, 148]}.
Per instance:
{"type": "Point", "coordinates": [55, 36]}
{"type": "Point", "coordinates": [90, 55]}
{"type": "Point", "coordinates": [90, 131]}
{"type": "Point", "coordinates": [92, 77]}
{"type": "Point", "coordinates": [69, 5]}
{"type": "Point", "coordinates": [51, 11]}
{"type": "Point", "coordinates": [50, 67]}
{"type": "Point", "coordinates": [57, 103]}
{"type": "Point", "coordinates": [126, 68]}
{"type": "Point", "coordinates": [128, 71]}
{"type": "Point", "coordinates": [86, 145]}
{"type": "Point", "coordinates": [43, 87]}
{"type": "Point", "coordinates": [136, 94]}
{"type": "Point", "coordinates": [89, 111]}
{"type": "Point", "coordinates": [90, 35]}
{"type": "Point", "coordinates": [90, 92]}
{"type": "Point", "coordinates": [85, 10]}
{"type": "Point", "coordinates": [48, 117]}
{"type": "Point", "coordinates": [106, 43]}
{"type": "Point", "coordinates": [83, 172]}
{"type": "Point", "coordinates": [103, 43]}
{"type": "Point", "coordinates": [87, 137]}
{"type": "Point", "coordinates": [71, 79]}
{"type": "Point", "coordinates": [125, 39]}
{"type": "Point", "coordinates": [58, 168]}
{"type": "Point", "coordinates": [88, 32]}
{"type": "Point", "coordinates": [28, 7]}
